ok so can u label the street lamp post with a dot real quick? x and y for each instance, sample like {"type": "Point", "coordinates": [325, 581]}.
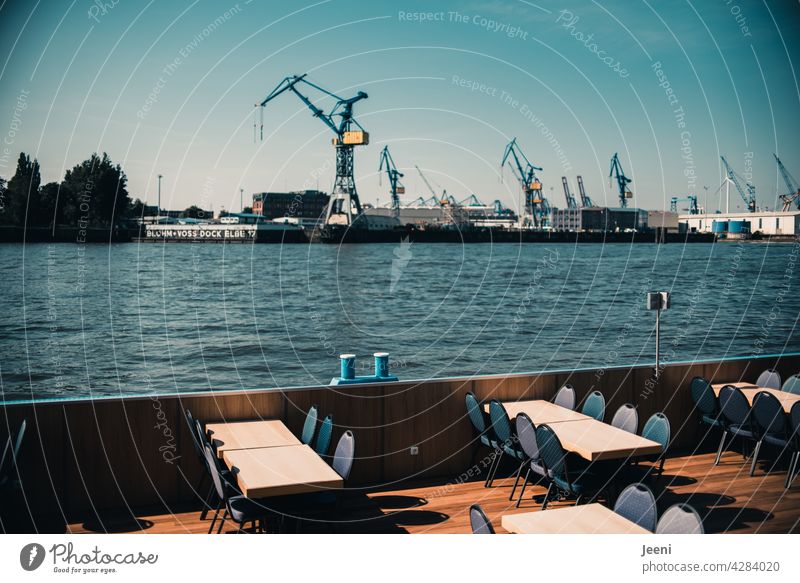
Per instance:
{"type": "Point", "coordinates": [158, 216]}
{"type": "Point", "coordinates": [241, 200]}
{"type": "Point", "coordinates": [658, 301]}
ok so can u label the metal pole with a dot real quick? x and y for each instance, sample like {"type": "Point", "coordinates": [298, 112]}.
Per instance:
{"type": "Point", "coordinates": [159, 196]}
{"type": "Point", "coordinates": [658, 341]}
{"type": "Point", "coordinates": [241, 199]}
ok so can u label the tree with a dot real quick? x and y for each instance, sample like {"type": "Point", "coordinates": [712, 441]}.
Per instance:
{"type": "Point", "coordinates": [195, 212]}
{"type": "Point", "coordinates": [98, 191]}
{"type": "Point", "coordinates": [248, 210]}
{"type": "Point", "coordinates": [22, 191]}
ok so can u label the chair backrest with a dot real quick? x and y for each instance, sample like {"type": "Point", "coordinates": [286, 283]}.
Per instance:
{"type": "Point", "coordinates": [769, 379]}
{"type": "Point", "coordinates": [734, 405]}
{"type": "Point", "coordinates": [680, 519]}
{"type": "Point", "coordinates": [324, 435]}
{"type": "Point", "coordinates": [703, 396]}
{"type": "Point", "coordinates": [657, 429]}
{"type": "Point", "coordinates": [637, 504]}
{"type": "Point", "coordinates": [198, 448]}
{"type": "Point", "coordinates": [526, 433]}
{"type": "Point", "coordinates": [501, 424]}
{"type": "Point", "coordinates": [310, 426]}
{"type": "Point", "coordinates": [794, 419]}
{"type": "Point", "coordinates": [595, 405]}
{"type": "Point", "coordinates": [211, 465]}
{"type": "Point", "coordinates": [18, 442]}
{"type": "Point", "coordinates": [475, 413]}
{"type": "Point", "coordinates": [792, 384]}
{"type": "Point", "coordinates": [6, 449]}
{"type": "Point", "coordinates": [565, 397]}
{"type": "Point", "coordinates": [551, 451]}
{"type": "Point", "coordinates": [626, 418]}
{"type": "Point", "coordinates": [478, 520]}
{"type": "Point", "coordinates": [768, 415]}
{"type": "Point", "coordinates": [344, 454]}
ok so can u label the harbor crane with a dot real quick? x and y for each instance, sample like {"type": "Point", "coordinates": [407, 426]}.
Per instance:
{"type": "Point", "coordinates": [571, 204]}
{"type": "Point", "coordinates": [387, 163]}
{"type": "Point", "coordinates": [749, 198]}
{"type": "Point", "coordinates": [793, 196]}
{"type": "Point", "coordinates": [622, 181]}
{"type": "Point", "coordinates": [585, 200]}
{"type": "Point", "coordinates": [691, 199]}
{"type": "Point", "coordinates": [536, 205]}
{"type": "Point", "coordinates": [348, 134]}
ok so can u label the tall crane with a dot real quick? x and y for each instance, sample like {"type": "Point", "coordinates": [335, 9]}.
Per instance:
{"type": "Point", "coordinates": [749, 198]}
{"type": "Point", "coordinates": [387, 163]}
{"type": "Point", "coordinates": [793, 196]}
{"type": "Point", "coordinates": [536, 206]}
{"type": "Point", "coordinates": [428, 184]}
{"type": "Point", "coordinates": [691, 199]}
{"type": "Point", "coordinates": [571, 204]}
{"type": "Point", "coordinates": [585, 200]}
{"type": "Point", "coordinates": [348, 134]}
{"type": "Point", "coordinates": [622, 181]}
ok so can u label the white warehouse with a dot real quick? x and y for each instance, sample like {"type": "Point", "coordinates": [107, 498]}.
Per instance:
{"type": "Point", "coordinates": [766, 222]}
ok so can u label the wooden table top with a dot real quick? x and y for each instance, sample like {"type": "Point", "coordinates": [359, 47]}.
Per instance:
{"type": "Point", "coordinates": [541, 411]}
{"type": "Point", "coordinates": [278, 471]}
{"type": "Point", "coordinates": [594, 441]}
{"type": "Point", "coordinates": [250, 435]}
{"type": "Point", "coordinates": [750, 391]}
{"type": "Point", "coordinates": [586, 519]}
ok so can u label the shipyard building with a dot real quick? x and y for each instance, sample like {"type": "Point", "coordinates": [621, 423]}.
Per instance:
{"type": "Point", "coordinates": [770, 223]}
{"type": "Point", "coordinates": [300, 204]}
{"type": "Point", "coordinates": [595, 219]}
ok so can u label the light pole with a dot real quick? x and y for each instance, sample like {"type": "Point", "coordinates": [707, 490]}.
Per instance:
{"type": "Point", "coordinates": [158, 216]}
{"type": "Point", "coordinates": [241, 200]}
{"type": "Point", "coordinates": [658, 301]}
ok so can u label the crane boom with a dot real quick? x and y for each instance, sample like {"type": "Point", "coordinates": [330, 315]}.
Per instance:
{"type": "Point", "coordinates": [387, 163]}
{"type": "Point", "coordinates": [793, 196]}
{"type": "Point", "coordinates": [571, 204]}
{"type": "Point", "coordinates": [750, 197]}
{"type": "Point", "coordinates": [344, 198]}
{"type": "Point", "coordinates": [428, 184]}
{"type": "Point", "coordinates": [622, 180]}
{"type": "Point", "coordinates": [585, 200]}
{"type": "Point", "coordinates": [536, 206]}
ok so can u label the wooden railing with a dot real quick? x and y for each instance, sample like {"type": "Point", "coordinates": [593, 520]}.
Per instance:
{"type": "Point", "coordinates": [87, 456]}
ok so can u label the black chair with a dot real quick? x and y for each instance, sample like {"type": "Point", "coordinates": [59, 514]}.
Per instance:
{"type": "Point", "coordinates": [626, 418]}
{"type": "Point", "coordinates": [480, 423]}
{"type": "Point", "coordinates": [309, 426]}
{"type": "Point", "coordinates": [769, 424]}
{"type": "Point", "coordinates": [526, 434]}
{"type": "Point", "coordinates": [565, 397]}
{"type": "Point", "coordinates": [657, 429]}
{"type": "Point", "coordinates": [198, 450]}
{"type": "Point", "coordinates": [504, 441]}
{"type": "Point", "coordinates": [736, 417]}
{"type": "Point", "coordinates": [705, 402]}
{"type": "Point", "coordinates": [637, 503]}
{"type": "Point", "coordinates": [595, 406]}
{"type": "Point", "coordinates": [9, 467]}
{"type": "Point", "coordinates": [680, 519]}
{"type": "Point", "coordinates": [794, 420]}
{"type": "Point", "coordinates": [478, 520]}
{"type": "Point", "coordinates": [323, 443]}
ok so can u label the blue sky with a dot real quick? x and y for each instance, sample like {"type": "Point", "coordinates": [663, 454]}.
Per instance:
{"type": "Point", "coordinates": [447, 90]}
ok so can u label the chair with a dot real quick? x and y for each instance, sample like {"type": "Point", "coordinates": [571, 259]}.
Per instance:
{"type": "Point", "coordinates": [7, 469]}
{"type": "Point", "coordinates": [735, 417]}
{"type": "Point", "coordinates": [480, 422]}
{"type": "Point", "coordinates": [241, 509]}
{"type": "Point", "coordinates": [565, 397]}
{"type": "Point", "coordinates": [680, 519]}
{"type": "Point", "coordinates": [626, 418]}
{"type": "Point", "coordinates": [343, 456]}
{"type": "Point", "coordinates": [323, 443]}
{"type": "Point", "coordinates": [769, 424]}
{"type": "Point", "coordinates": [478, 520]}
{"type": "Point", "coordinates": [769, 379]}
{"type": "Point", "coordinates": [792, 385]}
{"type": "Point", "coordinates": [568, 474]}
{"type": "Point", "coordinates": [595, 406]}
{"type": "Point", "coordinates": [526, 434]}
{"type": "Point", "coordinates": [309, 426]}
{"type": "Point", "coordinates": [657, 429]}
{"type": "Point", "coordinates": [637, 504]}
{"type": "Point", "coordinates": [794, 419]}
{"type": "Point", "coordinates": [705, 402]}
{"type": "Point", "coordinates": [198, 450]}
{"type": "Point", "coordinates": [504, 441]}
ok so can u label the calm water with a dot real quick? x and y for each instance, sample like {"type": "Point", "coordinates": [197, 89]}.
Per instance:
{"type": "Point", "coordinates": [127, 318]}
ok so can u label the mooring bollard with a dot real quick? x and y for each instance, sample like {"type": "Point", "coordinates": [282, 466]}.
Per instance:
{"type": "Point", "coordinates": [348, 376]}
{"type": "Point", "coordinates": [348, 366]}
{"type": "Point", "coordinates": [381, 364]}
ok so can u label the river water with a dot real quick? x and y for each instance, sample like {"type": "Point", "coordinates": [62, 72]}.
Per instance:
{"type": "Point", "coordinates": [150, 318]}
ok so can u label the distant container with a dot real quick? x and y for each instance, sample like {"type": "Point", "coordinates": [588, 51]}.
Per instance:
{"type": "Point", "coordinates": [719, 227]}
{"type": "Point", "coordinates": [739, 227]}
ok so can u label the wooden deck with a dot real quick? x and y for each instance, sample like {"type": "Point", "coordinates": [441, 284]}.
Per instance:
{"type": "Point", "coordinates": [727, 498]}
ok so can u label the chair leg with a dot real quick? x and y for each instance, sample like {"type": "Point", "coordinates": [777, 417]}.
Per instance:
{"type": "Point", "coordinates": [491, 467]}
{"type": "Point", "coordinates": [721, 445]}
{"type": "Point", "coordinates": [516, 481]}
{"type": "Point", "coordinates": [547, 496]}
{"type": "Point", "coordinates": [221, 522]}
{"type": "Point", "coordinates": [207, 502]}
{"type": "Point", "coordinates": [214, 520]}
{"type": "Point", "coordinates": [497, 465]}
{"type": "Point", "coordinates": [792, 468]}
{"type": "Point", "coordinates": [524, 484]}
{"type": "Point", "coordinates": [755, 457]}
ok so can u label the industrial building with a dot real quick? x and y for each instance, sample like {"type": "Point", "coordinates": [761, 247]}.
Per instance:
{"type": "Point", "coordinates": [770, 223]}
{"type": "Point", "coordinates": [598, 219]}
{"type": "Point", "coordinates": [302, 204]}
